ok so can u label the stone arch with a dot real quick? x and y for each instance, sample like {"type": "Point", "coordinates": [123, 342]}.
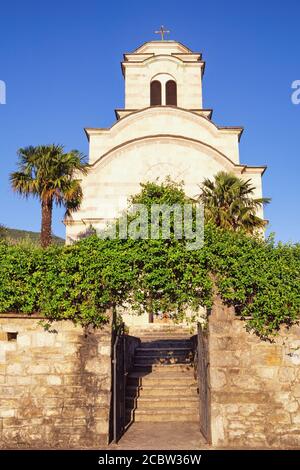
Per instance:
{"type": "Point", "coordinates": [143, 113]}
{"type": "Point", "coordinates": [164, 119]}
{"type": "Point", "coordinates": [163, 79]}
{"type": "Point", "coordinates": [215, 154]}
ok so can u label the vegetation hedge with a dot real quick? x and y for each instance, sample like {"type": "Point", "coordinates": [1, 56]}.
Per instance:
{"type": "Point", "coordinates": [80, 282]}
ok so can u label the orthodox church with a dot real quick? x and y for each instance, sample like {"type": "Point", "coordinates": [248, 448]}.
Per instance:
{"type": "Point", "coordinates": [163, 131]}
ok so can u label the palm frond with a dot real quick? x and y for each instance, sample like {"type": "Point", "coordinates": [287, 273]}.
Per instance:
{"type": "Point", "coordinates": [229, 202]}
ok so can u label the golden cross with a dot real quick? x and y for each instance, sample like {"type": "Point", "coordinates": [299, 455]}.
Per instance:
{"type": "Point", "coordinates": [162, 31]}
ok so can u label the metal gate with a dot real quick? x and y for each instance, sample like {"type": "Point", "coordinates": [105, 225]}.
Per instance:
{"type": "Point", "coordinates": [202, 366]}
{"type": "Point", "coordinates": [119, 383]}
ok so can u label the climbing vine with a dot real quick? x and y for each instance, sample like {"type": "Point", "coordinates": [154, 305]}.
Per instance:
{"type": "Point", "coordinates": [80, 282]}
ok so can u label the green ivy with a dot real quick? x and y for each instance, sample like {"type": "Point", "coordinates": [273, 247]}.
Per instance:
{"type": "Point", "coordinates": [80, 282]}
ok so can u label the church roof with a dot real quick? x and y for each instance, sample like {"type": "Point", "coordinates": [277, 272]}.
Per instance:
{"type": "Point", "coordinates": [162, 48]}
{"type": "Point", "coordinates": [156, 47]}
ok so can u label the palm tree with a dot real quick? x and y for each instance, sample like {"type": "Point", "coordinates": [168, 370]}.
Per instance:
{"type": "Point", "coordinates": [50, 174]}
{"type": "Point", "coordinates": [229, 203]}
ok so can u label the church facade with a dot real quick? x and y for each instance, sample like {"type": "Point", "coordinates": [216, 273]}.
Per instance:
{"type": "Point", "coordinates": [163, 131]}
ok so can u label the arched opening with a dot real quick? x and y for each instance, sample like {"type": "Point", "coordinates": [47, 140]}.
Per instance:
{"type": "Point", "coordinates": [171, 93]}
{"type": "Point", "coordinates": [155, 93]}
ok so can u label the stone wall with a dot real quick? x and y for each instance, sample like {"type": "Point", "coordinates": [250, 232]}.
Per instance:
{"type": "Point", "coordinates": [255, 384]}
{"type": "Point", "coordinates": [54, 385]}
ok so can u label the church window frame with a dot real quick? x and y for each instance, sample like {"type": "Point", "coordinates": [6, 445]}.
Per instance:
{"type": "Point", "coordinates": [171, 93]}
{"type": "Point", "coordinates": [155, 93]}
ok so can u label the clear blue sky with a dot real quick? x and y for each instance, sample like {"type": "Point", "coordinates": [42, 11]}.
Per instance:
{"type": "Point", "coordinates": [60, 60]}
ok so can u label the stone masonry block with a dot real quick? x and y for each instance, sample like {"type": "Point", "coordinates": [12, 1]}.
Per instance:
{"type": "Point", "coordinates": [38, 369]}
{"type": "Point", "coordinates": [7, 412]}
{"type": "Point", "coordinates": [44, 339]}
{"type": "Point", "coordinates": [223, 360]}
{"type": "Point", "coordinates": [295, 389]}
{"type": "Point", "coordinates": [104, 350]}
{"type": "Point", "coordinates": [54, 380]}
{"type": "Point", "coordinates": [24, 340]}
{"type": "Point", "coordinates": [217, 378]}
{"type": "Point", "coordinates": [15, 369]}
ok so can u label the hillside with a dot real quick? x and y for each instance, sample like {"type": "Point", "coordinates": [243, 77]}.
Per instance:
{"type": "Point", "coordinates": [16, 235]}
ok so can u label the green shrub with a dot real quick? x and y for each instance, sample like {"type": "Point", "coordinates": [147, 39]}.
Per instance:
{"type": "Point", "coordinates": [80, 282]}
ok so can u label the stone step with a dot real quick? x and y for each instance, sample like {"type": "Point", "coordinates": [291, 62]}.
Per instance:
{"type": "Point", "coordinates": [163, 415]}
{"type": "Point", "coordinates": [154, 403]}
{"type": "Point", "coordinates": [159, 331]}
{"type": "Point", "coordinates": [162, 351]}
{"type": "Point", "coordinates": [151, 360]}
{"type": "Point", "coordinates": [168, 344]}
{"type": "Point", "coordinates": [162, 327]}
{"type": "Point", "coordinates": [162, 391]}
{"type": "Point", "coordinates": [161, 372]}
{"type": "Point", "coordinates": [163, 367]}
{"type": "Point", "coordinates": [165, 343]}
{"type": "Point", "coordinates": [164, 334]}
{"type": "Point", "coordinates": [173, 331]}
{"type": "Point", "coordinates": [166, 337]}
{"type": "Point", "coordinates": [154, 379]}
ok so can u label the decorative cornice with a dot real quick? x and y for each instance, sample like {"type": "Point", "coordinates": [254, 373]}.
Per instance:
{"type": "Point", "coordinates": [127, 63]}
{"type": "Point", "coordinates": [201, 112]}
{"type": "Point", "coordinates": [234, 129]}
{"type": "Point", "coordinates": [255, 169]}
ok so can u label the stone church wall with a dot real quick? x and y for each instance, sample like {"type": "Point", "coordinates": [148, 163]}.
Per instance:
{"type": "Point", "coordinates": [255, 384]}
{"type": "Point", "coordinates": [54, 385]}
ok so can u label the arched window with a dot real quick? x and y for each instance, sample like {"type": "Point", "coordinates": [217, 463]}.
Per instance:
{"type": "Point", "coordinates": [155, 93]}
{"type": "Point", "coordinates": [171, 93]}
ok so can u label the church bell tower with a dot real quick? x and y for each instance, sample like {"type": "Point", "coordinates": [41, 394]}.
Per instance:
{"type": "Point", "coordinates": [162, 73]}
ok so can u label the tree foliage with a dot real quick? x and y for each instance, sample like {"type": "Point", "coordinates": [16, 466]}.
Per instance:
{"type": "Point", "coordinates": [48, 173]}
{"type": "Point", "coordinates": [230, 203]}
{"type": "Point", "coordinates": [80, 282]}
